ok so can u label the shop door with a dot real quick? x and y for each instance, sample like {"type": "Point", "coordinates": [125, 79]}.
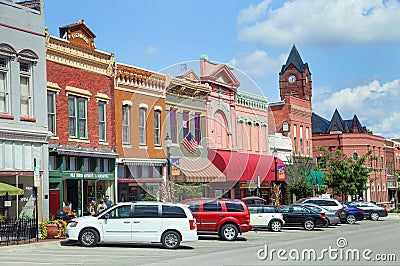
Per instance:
{"type": "Point", "coordinates": [54, 202]}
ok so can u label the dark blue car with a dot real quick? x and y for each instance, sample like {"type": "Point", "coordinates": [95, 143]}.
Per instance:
{"type": "Point", "coordinates": [353, 214]}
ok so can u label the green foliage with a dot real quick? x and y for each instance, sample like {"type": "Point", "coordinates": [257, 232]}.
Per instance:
{"type": "Point", "coordinates": [61, 228]}
{"type": "Point", "coordinates": [297, 172]}
{"type": "Point", "coordinates": [345, 175]}
{"type": "Point", "coordinates": [189, 190]}
{"type": "Point", "coordinates": [2, 218]}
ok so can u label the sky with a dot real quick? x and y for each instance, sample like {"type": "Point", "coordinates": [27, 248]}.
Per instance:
{"type": "Point", "coordinates": [352, 47]}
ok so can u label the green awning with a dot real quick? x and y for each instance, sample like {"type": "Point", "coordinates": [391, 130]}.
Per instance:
{"type": "Point", "coordinates": [315, 178]}
{"type": "Point", "coordinates": [10, 190]}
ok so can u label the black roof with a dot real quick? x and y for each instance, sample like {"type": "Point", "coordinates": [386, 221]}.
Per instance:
{"type": "Point", "coordinates": [295, 59]}
{"type": "Point", "coordinates": [322, 126]}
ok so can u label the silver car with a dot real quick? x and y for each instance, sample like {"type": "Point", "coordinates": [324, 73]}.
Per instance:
{"type": "Point", "coordinates": [332, 216]}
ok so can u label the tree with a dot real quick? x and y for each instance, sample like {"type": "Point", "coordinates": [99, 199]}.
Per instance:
{"type": "Point", "coordinates": [344, 175]}
{"type": "Point", "coordinates": [297, 171]}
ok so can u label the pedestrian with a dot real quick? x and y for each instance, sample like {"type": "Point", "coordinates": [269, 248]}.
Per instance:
{"type": "Point", "coordinates": [92, 208]}
{"type": "Point", "coordinates": [101, 206]}
{"type": "Point", "coordinates": [109, 202]}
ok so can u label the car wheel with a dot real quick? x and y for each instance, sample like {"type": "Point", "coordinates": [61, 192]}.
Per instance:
{"type": "Point", "coordinates": [170, 240]}
{"type": "Point", "coordinates": [229, 232]}
{"type": "Point", "coordinates": [88, 237]}
{"type": "Point", "coordinates": [276, 226]}
{"type": "Point", "coordinates": [374, 216]}
{"type": "Point", "coordinates": [351, 219]}
{"type": "Point", "coordinates": [309, 225]}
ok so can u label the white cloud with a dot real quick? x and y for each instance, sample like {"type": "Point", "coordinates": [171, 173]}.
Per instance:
{"type": "Point", "coordinates": [252, 13]}
{"type": "Point", "coordinates": [259, 63]}
{"type": "Point", "coordinates": [322, 22]}
{"type": "Point", "coordinates": [375, 104]}
{"type": "Point", "coordinates": [150, 50]}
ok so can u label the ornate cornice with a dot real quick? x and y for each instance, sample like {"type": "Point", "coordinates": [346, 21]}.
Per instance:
{"type": "Point", "coordinates": [137, 77]}
{"type": "Point", "coordinates": [63, 52]}
{"type": "Point", "coordinates": [9, 134]}
{"type": "Point", "coordinates": [184, 86]}
{"type": "Point", "coordinates": [251, 100]}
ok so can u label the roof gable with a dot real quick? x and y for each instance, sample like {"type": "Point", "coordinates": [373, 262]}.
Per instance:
{"type": "Point", "coordinates": [319, 124]}
{"type": "Point", "coordinates": [294, 59]}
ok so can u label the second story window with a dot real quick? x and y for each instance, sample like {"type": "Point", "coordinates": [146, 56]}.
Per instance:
{"type": "Point", "coordinates": [3, 85]}
{"type": "Point", "coordinates": [142, 126]}
{"type": "Point", "coordinates": [185, 124]}
{"type": "Point", "coordinates": [173, 126]}
{"type": "Point", "coordinates": [102, 120]}
{"type": "Point", "coordinates": [197, 128]}
{"type": "Point", "coordinates": [25, 85]}
{"type": "Point", "coordinates": [125, 125]}
{"type": "Point", "coordinates": [51, 111]}
{"type": "Point", "coordinates": [157, 127]}
{"type": "Point", "coordinates": [77, 117]}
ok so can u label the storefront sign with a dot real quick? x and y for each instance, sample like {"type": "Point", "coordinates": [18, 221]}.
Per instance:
{"type": "Point", "coordinates": [281, 172]}
{"type": "Point", "coordinates": [7, 203]}
{"type": "Point", "coordinates": [36, 176]}
{"type": "Point", "coordinates": [91, 176]}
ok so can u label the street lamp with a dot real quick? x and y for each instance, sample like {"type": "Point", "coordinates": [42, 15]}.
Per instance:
{"type": "Point", "coordinates": [168, 143]}
{"type": "Point", "coordinates": [275, 154]}
{"type": "Point", "coordinates": [275, 187]}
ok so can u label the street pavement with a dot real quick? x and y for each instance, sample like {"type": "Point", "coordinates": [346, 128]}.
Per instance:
{"type": "Point", "coordinates": [371, 240]}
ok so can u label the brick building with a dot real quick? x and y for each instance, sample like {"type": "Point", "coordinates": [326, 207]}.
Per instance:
{"type": "Point", "coordinates": [80, 101]}
{"type": "Point", "coordinates": [353, 140]}
{"type": "Point", "coordinates": [292, 115]}
{"type": "Point", "coordinates": [140, 121]}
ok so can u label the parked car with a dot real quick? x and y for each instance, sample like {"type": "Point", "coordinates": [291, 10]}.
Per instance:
{"type": "Point", "coordinates": [327, 203]}
{"type": "Point", "coordinates": [298, 215]}
{"type": "Point", "coordinates": [332, 216]}
{"type": "Point", "coordinates": [166, 223]}
{"type": "Point", "coordinates": [265, 216]}
{"type": "Point", "coordinates": [371, 210]}
{"type": "Point", "coordinates": [353, 214]}
{"type": "Point", "coordinates": [226, 217]}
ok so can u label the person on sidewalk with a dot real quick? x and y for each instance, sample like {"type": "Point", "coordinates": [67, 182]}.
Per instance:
{"type": "Point", "coordinates": [109, 202]}
{"type": "Point", "coordinates": [101, 206]}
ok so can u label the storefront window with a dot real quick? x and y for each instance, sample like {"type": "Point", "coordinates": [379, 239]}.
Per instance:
{"type": "Point", "coordinates": [86, 164]}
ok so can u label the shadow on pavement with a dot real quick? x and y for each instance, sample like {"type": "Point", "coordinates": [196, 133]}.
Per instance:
{"type": "Point", "coordinates": [122, 245]}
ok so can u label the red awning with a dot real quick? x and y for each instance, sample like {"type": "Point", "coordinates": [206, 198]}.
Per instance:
{"type": "Point", "coordinates": [244, 166]}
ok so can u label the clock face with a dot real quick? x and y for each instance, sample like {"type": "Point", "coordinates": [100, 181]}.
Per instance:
{"type": "Point", "coordinates": [292, 78]}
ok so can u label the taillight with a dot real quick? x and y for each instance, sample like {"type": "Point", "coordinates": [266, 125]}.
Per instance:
{"type": "Point", "coordinates": [343, 209]}
{"type": "Point", "coordinates": [336, 214]}
{"type": "Point", "coordinates": [385, 209]}
{"type": "Point", "coordinates": [322, 216]}
{"type": "Point", "coordinates": [360, 211]}
{"type": "Point", "coordinates": [192, 224]}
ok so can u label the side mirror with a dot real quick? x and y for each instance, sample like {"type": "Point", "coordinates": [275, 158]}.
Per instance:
{"type": "Point", "coordinates": [106, 216]}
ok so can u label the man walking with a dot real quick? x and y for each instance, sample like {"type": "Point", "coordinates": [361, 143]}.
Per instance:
{"type": "Point", "coordinates": [108, 202]}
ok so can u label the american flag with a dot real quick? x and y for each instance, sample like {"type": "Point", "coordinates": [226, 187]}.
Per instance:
{"type": "Point", "coordinates": [190, 143]}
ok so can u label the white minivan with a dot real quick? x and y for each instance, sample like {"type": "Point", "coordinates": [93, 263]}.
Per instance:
{"type": "Point", "coordinates": [158, 222]}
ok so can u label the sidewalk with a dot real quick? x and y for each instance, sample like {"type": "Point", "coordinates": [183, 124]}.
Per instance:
{"type": "Point", "coordinates": [32, 242]}
{"type": "Point", "coordinates": [394, 216]}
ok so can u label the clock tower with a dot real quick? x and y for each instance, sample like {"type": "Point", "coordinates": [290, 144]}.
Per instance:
{"type": "Point", "coordinates": [295, 77]}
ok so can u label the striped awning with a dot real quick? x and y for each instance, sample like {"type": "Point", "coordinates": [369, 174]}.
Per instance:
{"type": "Point", "coordinates": [143, 162]}
{"type": "Point", "coordinates": [200, 170]}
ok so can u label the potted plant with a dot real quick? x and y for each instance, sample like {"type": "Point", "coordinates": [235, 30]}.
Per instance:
{"type": "Point", "coordinates": [52, 228]}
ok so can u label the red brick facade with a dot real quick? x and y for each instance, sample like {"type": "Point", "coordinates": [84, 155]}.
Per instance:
{"type": "Point", "coordinates": [94, 83]}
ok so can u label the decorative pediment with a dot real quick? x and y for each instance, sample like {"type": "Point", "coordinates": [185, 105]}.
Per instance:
{"type": "Point", "coordinates": [224, 74]}
{"type": "Point", "coordinates": [190, 76]}
{"type": "Point", "coordinates": [8, 50]}
{"type": "Point", "coordinates": [27, 54]}
{"type": "Point", "coordinates": [79, 34]}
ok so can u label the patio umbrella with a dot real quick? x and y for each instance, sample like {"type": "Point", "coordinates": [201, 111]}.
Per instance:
{"type": "Point", "coordinates": [11, 190]}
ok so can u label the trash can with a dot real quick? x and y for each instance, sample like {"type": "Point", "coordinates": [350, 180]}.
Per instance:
{"type": "Point", "coordinates": [61, 215]}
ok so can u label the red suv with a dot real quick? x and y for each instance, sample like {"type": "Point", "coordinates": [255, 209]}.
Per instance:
{"type": "Point", "coordinates": [226, 217]}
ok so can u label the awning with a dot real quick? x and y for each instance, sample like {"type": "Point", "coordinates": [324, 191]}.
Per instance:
{"type": "Point", "coordinates": [87, 153]}
{"type": "Point", "coordinates": [200, 170]}
{"type": "Point", "coordinates": [142, 162]}
{"type": "Point", "coordinates": [244, 166]}
{"type": "Point", "coordinates": [315, 178]}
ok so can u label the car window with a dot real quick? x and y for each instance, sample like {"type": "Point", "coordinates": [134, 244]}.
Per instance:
{"type": "Point", "coordinates": [269, 210]}
{"type": "Point", "coordinates": [234, 207]}
{"type": "Point", "coordinates": [254, 209]}
{"type": "Point", "coordinates": [120, 212]}
{"type": "Point", "coordinates": [213, 206]}
{"type": "Point", "coordinates": [173, 212]}
{"type": "Point", "coordinates": [315, 208]}
{"type": "Point", "coordinates": [285, 209]}
{"type": "Point", "coordinates": [194, 206]}
{"type": "Point", "coordinates": [145, 211]}
{"type": "Point", "coordinates": [298, 209]}
{"type": "Point", "coordinates": [311, 201]}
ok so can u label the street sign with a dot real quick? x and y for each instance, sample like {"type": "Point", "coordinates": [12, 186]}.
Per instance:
{"type": "Point", "coordinates": [36, 176]}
